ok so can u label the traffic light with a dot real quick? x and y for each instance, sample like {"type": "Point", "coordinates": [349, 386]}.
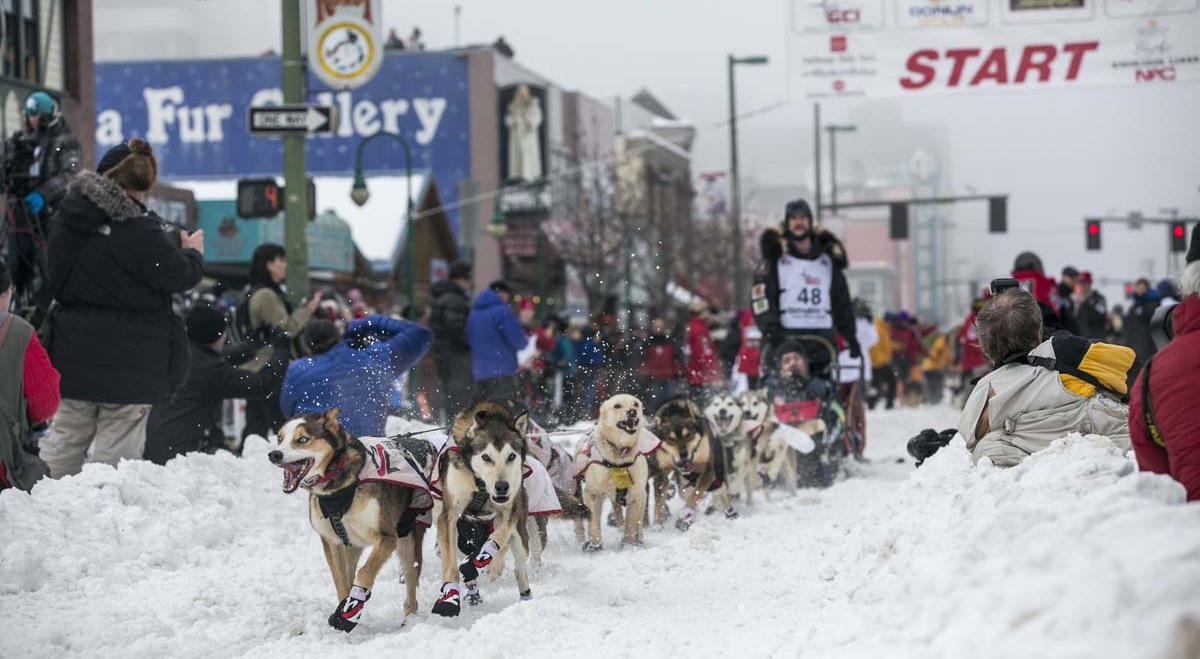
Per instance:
{"type": "Point", "coordinates": [1178, 237]}
{"type": "Point", "coordinates": [997, 214]}
{"type": "Point", "coordinates": [259, 197]}
{"type": "Point", "coordinates": [898, 222]}
{"type": "Point", "coordinates": [263, 197]}
{"type": "Point", "coordinates": [1093, 235]}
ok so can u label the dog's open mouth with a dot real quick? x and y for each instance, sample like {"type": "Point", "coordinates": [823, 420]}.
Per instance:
{"type": "Point", "coordinates": [500, 499]}
{"type": "Point", "coordinates": [725, 422]}
{"type": "Point", "coordinates": [294, 473]}
{"type": "Point", "coordinates": [630, 426]}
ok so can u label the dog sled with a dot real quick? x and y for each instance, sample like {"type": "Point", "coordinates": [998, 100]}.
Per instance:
{"type": "Point", "coordinates": [813, 408]}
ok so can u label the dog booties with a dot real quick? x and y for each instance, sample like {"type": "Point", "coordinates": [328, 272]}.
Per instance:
{"type": "Point", "coordinates": [349, 612]}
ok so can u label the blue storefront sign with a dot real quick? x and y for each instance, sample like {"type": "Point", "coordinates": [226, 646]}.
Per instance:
{"type": "Point", "coordinates": [194, 114]}
{"type": "Point", "coordinates": [229, 239]}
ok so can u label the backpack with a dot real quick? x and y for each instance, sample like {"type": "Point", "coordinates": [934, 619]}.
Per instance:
{"type": "Point", "coordinates": [239, 327]}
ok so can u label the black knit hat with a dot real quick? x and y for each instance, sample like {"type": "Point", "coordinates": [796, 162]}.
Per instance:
{"type": "Point", "coordinates": [321, 335]}
{"type": "Point", "coordinates": [500, 286]}
{"type": "Point", "coordinates": [1193, 253]}
{"type": "Point", "coordinates": [796, 207]}
{"type": "Point", "coordinates": [205, 324]}
{"type": "Point", "coordinates": [112, 157]}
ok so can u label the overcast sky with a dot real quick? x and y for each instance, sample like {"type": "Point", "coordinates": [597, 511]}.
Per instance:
{"type": "Point", "coordinates": [1061, 154]}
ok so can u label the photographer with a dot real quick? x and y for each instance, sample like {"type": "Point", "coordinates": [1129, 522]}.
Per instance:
{"type": "Point", "coordinates": [1163, 424]}
{"type": "Point", "coordinates": [39, 161]}
{"type": "Point", "coordinates": [115, 338]}
{"type": "Point", "coordinates": [1039, 391]}
{"type": "Point", "coordinates": [28, 394]}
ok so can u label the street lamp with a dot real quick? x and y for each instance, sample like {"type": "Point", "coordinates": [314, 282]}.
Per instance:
{"type": "Point", "coordinates": [359, 194]}
{"type": "Point", "coordinates": [833, 130]}
{"type": "Point", "coordinates": [735, 184]}
{"type": "Point", "coordinates": [498, 226]}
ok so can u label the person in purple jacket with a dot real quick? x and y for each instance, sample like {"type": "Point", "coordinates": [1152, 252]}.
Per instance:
{"type": "Point", "coordinates": [353, 373]}
{"type": "Point", "coordinates": [496, 336]}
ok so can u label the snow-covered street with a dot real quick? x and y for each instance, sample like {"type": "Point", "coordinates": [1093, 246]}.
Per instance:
{"type": "Point", "coordinates": [1071, 554]}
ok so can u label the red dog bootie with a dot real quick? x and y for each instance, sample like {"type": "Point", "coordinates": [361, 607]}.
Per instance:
{"type": "Point", "coordinates": [349, 612]}
{"type": "Point", "coordinates": [686, 518]}
{"type": "Point", "coordinates": [450, 603]}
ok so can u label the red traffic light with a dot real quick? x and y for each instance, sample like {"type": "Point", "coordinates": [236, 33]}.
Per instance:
{"type": "Point", "coordinates": [1093, 235]}
{"type": "Point", "coordinates": [1178, 242]}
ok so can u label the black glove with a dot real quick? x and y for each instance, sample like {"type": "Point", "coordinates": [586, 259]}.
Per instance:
{"type": "Point", "coordinates": [928, 442]}
{"type": "Point", "coordinates": [855, 349]}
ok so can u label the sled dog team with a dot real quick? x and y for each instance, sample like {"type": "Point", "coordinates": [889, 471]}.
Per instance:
{"type": "Point", "coordinates": [497, 474]}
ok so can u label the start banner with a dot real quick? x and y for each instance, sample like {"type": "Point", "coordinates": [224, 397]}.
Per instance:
{"type": "Point", "coordinates": [877, 48]}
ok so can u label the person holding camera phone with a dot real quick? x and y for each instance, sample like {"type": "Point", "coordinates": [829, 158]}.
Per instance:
{"type": "Point", "coordinates": [266, 307]}
{"type": "Point", "coordinates": [113, 334]}
{"type": "Point", "coordinates": [39, 162]}
{"type": "Point", "coordinates": [1163, 423]}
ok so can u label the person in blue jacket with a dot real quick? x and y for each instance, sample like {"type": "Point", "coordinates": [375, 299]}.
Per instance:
{"type": "Point", "coordinates": [353, 373]}
{"type": "Point", "coordinates": [495, 336]}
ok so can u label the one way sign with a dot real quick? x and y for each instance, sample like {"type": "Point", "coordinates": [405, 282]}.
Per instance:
{"type": "Point", "coordinates": [293, 120]}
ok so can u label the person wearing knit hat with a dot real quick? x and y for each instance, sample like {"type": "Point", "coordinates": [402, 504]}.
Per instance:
{"type": "Point", "coordinates": [116, 339]}
{"type": "Point", "coordinates": [800, 287]}
{"type": "Point", "coordinates": [1163, 424]}
{"type": "Point", "coordinates": [1091, 309]}
{"type": "Point", "coordinates": [191, 420]}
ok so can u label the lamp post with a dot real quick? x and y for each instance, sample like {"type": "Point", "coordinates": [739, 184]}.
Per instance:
{"type": "Point", "coordinates": [833, 130]}
{"type": "Point", "coordinates": [538, 186]}
{"type": "Point", "coordinates": [359, 195]}
{"type": "Point", "coordinates": [735, 184]}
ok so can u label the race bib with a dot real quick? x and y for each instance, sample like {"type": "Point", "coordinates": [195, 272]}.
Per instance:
{"type": "Point", "coordinates": [804, 292]}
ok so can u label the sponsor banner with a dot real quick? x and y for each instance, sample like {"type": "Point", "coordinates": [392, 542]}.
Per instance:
{"type": "Point", "coordinates": [871, 48]}
{"type": "Point", "coordinates": [194, 113]}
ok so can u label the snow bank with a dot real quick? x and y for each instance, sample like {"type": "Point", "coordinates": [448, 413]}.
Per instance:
{"type": "Point", "coordinates": [1071, 554]}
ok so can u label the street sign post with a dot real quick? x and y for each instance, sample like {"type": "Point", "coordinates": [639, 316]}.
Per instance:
{"type": "Point", "coordinates": [292, 120]}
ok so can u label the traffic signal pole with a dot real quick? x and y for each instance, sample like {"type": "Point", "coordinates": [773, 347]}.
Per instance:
{"type": "Point", "coordinates": [295, 207]}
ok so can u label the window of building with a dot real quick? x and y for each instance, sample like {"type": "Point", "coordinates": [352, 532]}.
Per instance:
{"type": "Point", "coordinates": [19, 41]}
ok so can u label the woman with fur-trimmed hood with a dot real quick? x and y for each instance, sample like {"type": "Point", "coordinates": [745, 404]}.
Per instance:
{"type": "Point", "coordinates": [116, 341]}
{"type": "Point", "coordinates": [800, 286]}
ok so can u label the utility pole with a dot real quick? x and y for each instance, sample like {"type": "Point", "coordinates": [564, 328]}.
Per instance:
{"type": "Point", "coordinates": [817, 159]}
{"type": "Point", "coordinates": [833, 131]}
{"type": "Point", "coordinates": [295, 206]}
{"type": "Point", "coordinates": [735, 182]}
{"type": "Point", "coordinates": [735, 206]}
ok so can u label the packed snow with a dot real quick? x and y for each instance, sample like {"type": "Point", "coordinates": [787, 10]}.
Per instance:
{"type": "Point", "coordinates": [1071, 554]}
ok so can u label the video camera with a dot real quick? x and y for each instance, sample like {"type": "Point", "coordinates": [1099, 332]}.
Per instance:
{"type": "Point", "coordinates": [1162, 329]}
{"type": "Point", "coordinates": [20, 156]}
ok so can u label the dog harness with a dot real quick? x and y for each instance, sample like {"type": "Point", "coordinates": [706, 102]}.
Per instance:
{"type": "Point", "coordinates": [334, 506]}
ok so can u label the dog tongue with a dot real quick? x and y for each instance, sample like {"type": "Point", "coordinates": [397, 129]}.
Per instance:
{"type": "Point", "coordinates": [291, 475]}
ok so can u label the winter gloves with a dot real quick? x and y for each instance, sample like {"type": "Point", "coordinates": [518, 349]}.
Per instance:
{"type": "Point", "coordinates": [35, 202]}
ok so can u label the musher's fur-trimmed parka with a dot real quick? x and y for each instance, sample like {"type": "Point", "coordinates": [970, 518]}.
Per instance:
{"type": "Point", "coordinates": [764, 298]}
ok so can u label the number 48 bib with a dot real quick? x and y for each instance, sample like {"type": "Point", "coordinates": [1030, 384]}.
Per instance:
{"type": "Point", "coordinates": [804, 292]}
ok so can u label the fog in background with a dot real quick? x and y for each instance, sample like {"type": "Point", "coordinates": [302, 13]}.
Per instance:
{"type": "Point", "coordinates": [1060, 154]}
